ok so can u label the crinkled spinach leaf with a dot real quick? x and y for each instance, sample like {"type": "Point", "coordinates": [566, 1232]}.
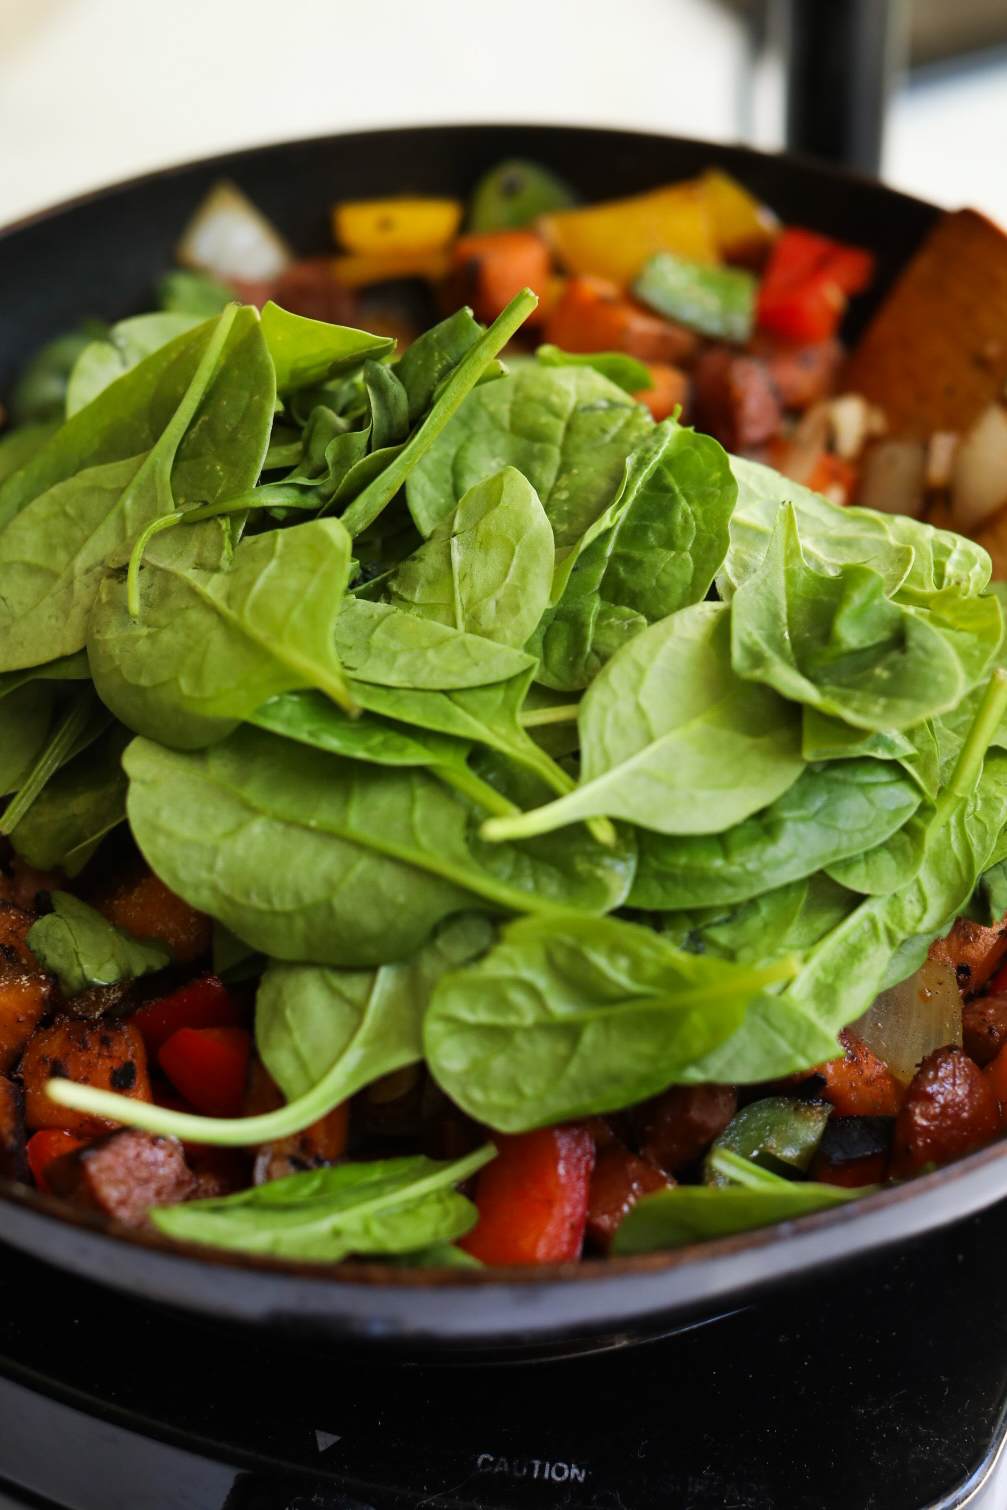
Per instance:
{"type": "Point", "coordinates": [83, 949]}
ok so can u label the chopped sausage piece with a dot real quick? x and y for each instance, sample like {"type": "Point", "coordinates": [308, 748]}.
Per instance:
{"type": "Point", "coordinates": [984, 1027]}
{"type": "Point", "coordinates": [123, 1175]}
{"type": "Point", "coordinates": [735, 400]}
{"type": "Point", "coordinates": [13, 1163]}
{"type": "Point", "coordinates": [25, 990]}
{"type": "Point", "coordinates": [103, 1001]}
{"type": "Point", "coordinates": [109, 1055]}
{"type": "Point", "coordinates": [972, 950]}
{"type": "Point", "coordinates": [681, 1124]}
{"type": "Point", "coordinates": [307, 287]}
{"type": "Point", "coordinates": [950, 1109]}
{"type": "Point", "coordinates": [618, 1182]}
{"type": "Point", "coordinates": [145, 907]}
{"type": "Point", "coordinates": [218, 1171]}
{"type": "Point", "coordinates": [801, 375]}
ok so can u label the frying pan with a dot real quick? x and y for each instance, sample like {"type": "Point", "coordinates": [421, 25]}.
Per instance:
{"type": "Point", "coordinates": [101, 255]}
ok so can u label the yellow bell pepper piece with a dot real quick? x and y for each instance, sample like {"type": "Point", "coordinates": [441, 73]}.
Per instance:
{"type": "Point", "coordinates": [359, 270]}
{"type": "Point", "coordinates": [613, 240]}
{"type": "Point", "coordinates": [375, 227]}
{"type": "Point", "coordinates": [742, 226]}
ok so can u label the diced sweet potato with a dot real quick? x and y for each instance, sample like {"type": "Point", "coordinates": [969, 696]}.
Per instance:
{"type": "Point", "coordinates": [680, 1125]}
{"type": "Point", "coordinates": [13, 1164]}
{"type": "Point", "coordinates": [972, 950]}
{"type": "Point", "coordinates": [592, 314]}
{"type": "Point", "coordinates": [670, 391]}
{"type": "Point", "coordinates": [108, 1055]}
{"type": "Point", "coordinates": [322, 1143]}
{"type": "Point", "coordinates": [123, 1175]}
{"type": "Point", "coordinates": [950, 1109]}
{"type": "Point", "coordinates": [25, 990]}
{"type": "Point", "coordinates": [488, 269]}
{"type": "Point", "coordinates": [20, 883]}
{"type": "Point", "coordinates": [860, 1084]}
{"type": "Point", "coordinates": [617, 1183]}
{"type": "Point", "coordinates": [145, 906]}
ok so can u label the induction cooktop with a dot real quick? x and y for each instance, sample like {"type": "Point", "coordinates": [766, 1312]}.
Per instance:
{"type": "Point", "coordinates": [876, 1387]}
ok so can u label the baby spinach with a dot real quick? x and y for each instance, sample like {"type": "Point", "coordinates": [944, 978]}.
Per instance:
{"type": "Point", "coordinates": [567, 429]}
{"type": "Point", "coordinates": [120, 349]}
{"type": "Point", "coordinates": [884, 867]}
{"type": "Point", "coordinates": [325, 1034]}
{"type": "Point", "coordinates": [567, 1017]}
{"type": "Point", "coordinates": [39, 394]}
{"type": "Point", "coordinates": [916, 750]}
{"type": "Point", "coordinates": [832, 811]}
{"type": "Point", "coordinates": [65, 735]}
{"type": "Point", "coordinates": [307, 352]}
{"type": "Point", "coordinates": [654, 550]}
{"type": "Point", "coordinates": [432, 357]}
{"type": "Point", "coordinates": [786, 920]}
{"type": "Point", "coordinates": [311, 857]}
{"type": "Point", "coordinates": [78, 806]}
{"type": "Point", "coordinates": [85, 494]}
{"type": "Point", "coordinates": [186, 293]}
{"type": "Point", "coordinates": [836, 642]}
{"type": "Point", "coordinates": [671, 739]}
{"type": "Point", "coordinates": [487, 568]}
{"type": "Point", "coordinates": [402, 461]}
{"type": "Point", "coordinates": [220, 631]}
{"type": "Point", "coordinates": [701, 1213]}
{"type": "Point", "coordinates": [622, 370]}
{"type": "Point", "coordinates": [83, 949]}
{"type": "Point", "coordinates": [24, 724]}
{"type": "Point", "coordinates": [18, 446]}
{"type": "Point", "coordinates": [386, 1206]}
{"type": "Point", "coordinates": [312, 719]}
{"type": "Point", "coordinates": [380, 643]}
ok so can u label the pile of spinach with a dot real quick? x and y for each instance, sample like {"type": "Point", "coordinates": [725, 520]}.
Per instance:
{"type": "Point", "coordinates": [519, 734]}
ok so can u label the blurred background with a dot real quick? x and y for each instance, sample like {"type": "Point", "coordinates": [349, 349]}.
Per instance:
{"type": "Point", "coordinates": [96, 90]}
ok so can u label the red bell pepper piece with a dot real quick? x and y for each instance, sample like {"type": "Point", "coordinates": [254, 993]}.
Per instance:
{"type": "Point", "coordinates": [202, 1003]}
{"type": "Point", "coordinates": [208, 1066]}
{"type": "Point", "coordinates": [808, 279]}
{"type": "Point", "coordinates": [42, 1147]}
{"type": "Point", "coordinates": [533, 1197]}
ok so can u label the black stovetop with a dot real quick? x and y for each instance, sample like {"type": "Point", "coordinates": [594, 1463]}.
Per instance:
{"type": "Point", "coordinates": [882, 1387]}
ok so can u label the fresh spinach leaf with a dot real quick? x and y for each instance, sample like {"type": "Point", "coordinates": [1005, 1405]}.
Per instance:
{"type": "Point", "coordinates": [622, 370]}
{"type": "Point", "coordinates": [486, 569]}
{"type": "Point", "coordinates": [122, 348]}
{"type": "Point", "coordinates": [386, 1206]}
{"type": "Point", "coordinates": [83, 949]}
{"type": "Point", "coordinates": [884, 867]}
{"type": "Point", "coordinates": [382, 644]}
{"type": "Point", "coordinates": [786, 920]}
{"type": "Point", "coordinates": [568, 1017]}
{"type": "Point", "coordinates": [78, 806]}
{"type": "Point", "coordinates": [433, 356]}
{"type": "Point", "coordinates": [672, 740]}
{"type": "Point", "coordinates": [76, 501]}
{"type": "Point", "coordinates": [39, 394]}
{"type": "Point", "coordinates": [25, 718]}
{"type": "Point", "coordinates": [916, 750]}
{"type": "Point", "coordinates": [389, 406]}
{"type": "Point", "coordinates": [307, 352]}
{"type": "Point", "coordinates": [835, 641]}
{"type": "Point", "coordinates": [314, 858]}
{"type": "Point", "coordinates": [568, 430]}
{"type": "Point", "coordinates": [185, 293]}
{"type": "Point", "coordinates": [832, 811]}
{"type": "Point", "coordinates": [220, 631]}
{"type": "Point", "coordinates": [325, 1034]}
{"type": "Point", "coordinates": [655, 549]}
{"type": "Point", "coordinates": [18, 446]}
{"type": "Point", "coordinates": [700, 1213]}
{"type": "Point", "coordinates": [68, 668]}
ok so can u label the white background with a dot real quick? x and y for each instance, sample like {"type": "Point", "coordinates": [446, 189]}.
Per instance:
{"type": "Point", "coordinates": [96, 90]}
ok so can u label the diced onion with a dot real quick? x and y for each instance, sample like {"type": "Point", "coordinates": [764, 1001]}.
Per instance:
{"type": "Point", "coordinates": [230, 238]}
{"type": "Point", "coordinates": [979, 472]}
{"type": "Point", "coordinates": [940, 458]}
{"type": "Point", "coordinates": [892, 480]}
{"type": "Point", "coordinates": [850, 420]}
{"type": "Point", "coordinates": [908, 1021]}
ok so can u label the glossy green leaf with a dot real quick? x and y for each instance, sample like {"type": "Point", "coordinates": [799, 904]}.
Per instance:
{"type": "Point", "coordinates": [672, 740]}
{"type": "Point", "coordinates": [83, 949]}
{"type": "Point", "coordinates": [220, 632]}
{"type": "Point", "coordinates": [486, 569]}
{"type": "Point", "coordinates": [306, 352]}
{"type": "Point", "coordinates": [568, 1017]}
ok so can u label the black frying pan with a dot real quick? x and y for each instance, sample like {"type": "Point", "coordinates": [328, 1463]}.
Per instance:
{"type": "Point", "coordinates": [101, 256]}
